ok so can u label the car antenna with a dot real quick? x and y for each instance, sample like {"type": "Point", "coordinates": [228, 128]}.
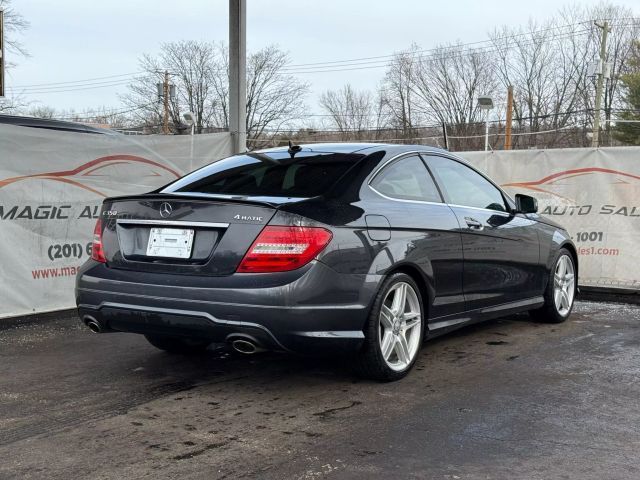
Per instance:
{"type": "Point", "coordinates": [293, 149]}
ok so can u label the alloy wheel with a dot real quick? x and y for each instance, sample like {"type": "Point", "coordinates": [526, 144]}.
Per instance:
{"type": "Point", "coordinates": [400, 326]}
{"type": "Point", "coordinates": [564, 285]}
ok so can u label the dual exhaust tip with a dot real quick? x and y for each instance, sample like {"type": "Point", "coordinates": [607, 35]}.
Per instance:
{"type": "Point", "coordinates": [94, 325]}
{"type": "Point", "coordinates": [245, 345]}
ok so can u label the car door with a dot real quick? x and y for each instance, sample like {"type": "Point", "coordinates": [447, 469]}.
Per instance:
{"type": "Point", "coordinates": [501, 248]}
{"type": "Point", "coordinates": [424, 230]}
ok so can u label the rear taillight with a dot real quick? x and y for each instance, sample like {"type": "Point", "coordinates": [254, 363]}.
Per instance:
{"type": "Point", "coordinates": [97, 253]}
{"type": "Point", "coordinates": [279, 249]}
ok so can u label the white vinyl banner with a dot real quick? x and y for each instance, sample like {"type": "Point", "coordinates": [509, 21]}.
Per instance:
{"type": "Point", "coordinates": [593, 193]}
{"type": "Point", "coordinates": [52, 184]}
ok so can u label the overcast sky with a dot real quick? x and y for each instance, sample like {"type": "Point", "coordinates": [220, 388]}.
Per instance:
{"type": "Point", "coordinates": [79, 39]}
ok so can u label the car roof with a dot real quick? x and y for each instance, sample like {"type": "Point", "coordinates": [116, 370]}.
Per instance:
{"type": "Point", "coordinates": [352, 147]}
{"type": "Point", "coordinates": [49, 124]}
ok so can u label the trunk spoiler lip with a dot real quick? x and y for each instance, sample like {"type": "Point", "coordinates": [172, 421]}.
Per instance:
{"type": "Point", "coordinates": [260, 201]}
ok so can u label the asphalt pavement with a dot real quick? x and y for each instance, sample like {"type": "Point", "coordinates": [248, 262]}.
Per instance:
{"type": "Point", "coordinates": [508, 399]}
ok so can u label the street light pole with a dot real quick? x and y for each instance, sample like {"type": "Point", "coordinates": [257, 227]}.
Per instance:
{"type": "Point", "coordinates": [486, 132]}
{"type": "Point", "coordinates": [486, 103]}
{"type": "Point", "coordinates": [190, 118]}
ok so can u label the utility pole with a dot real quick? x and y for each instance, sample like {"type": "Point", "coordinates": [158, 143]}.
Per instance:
{"type": "Point", "coordinates": [595, 141]}
{"type": "Point", "coordinates": [507, 136]}
{"type": "Point", "coordinates": [238, 75]}
{"type": "Point", "coordinates": [2, 63]}
{"type": "Point", "coordinates": [165, 97]}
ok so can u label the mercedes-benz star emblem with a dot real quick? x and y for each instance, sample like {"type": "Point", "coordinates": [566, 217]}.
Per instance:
{"type": "Point", "coordinates": [165, 209]}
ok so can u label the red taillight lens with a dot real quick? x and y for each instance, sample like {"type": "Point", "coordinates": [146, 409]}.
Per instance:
{"type": "Point", "coordinates": [279, 249]}
{"type": "Point", "coordinates": [97, 253]}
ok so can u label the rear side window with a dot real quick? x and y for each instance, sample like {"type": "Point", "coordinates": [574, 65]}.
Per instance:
{"type": "Point", "coordinates": [464, 186]}
{"type": "Point", "coordinates": [309, 174]}
{"type": "Point", "coordinates": [407, 179]}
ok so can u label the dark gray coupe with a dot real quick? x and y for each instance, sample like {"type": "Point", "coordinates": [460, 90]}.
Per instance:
{"type": "Point", "coordinates": [364, 249]}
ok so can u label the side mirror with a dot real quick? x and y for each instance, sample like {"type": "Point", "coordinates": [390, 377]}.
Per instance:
{"type": "Point", "coordinates": [526, 204]}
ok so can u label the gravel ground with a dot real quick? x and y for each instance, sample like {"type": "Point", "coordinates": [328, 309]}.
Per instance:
{"type": "Point", "coordinates": [505, 399]}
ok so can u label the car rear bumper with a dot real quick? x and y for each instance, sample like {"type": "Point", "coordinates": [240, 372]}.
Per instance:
{"type": "Point", "coordinates": [308, 311]}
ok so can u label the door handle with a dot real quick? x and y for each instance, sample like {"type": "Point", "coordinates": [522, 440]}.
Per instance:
{"type": "Point", "coordinates": [473, 223]}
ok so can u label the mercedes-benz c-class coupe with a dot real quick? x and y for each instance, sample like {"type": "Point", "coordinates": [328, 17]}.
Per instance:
{"type": "Point", "coordinates": [360, 249]}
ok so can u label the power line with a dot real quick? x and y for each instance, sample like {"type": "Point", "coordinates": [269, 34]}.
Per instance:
{"type": "Point", "coordinates": [80, 86]}
{"type": "Point", "coordinates": [79, 81]}
{"type": "Point", "coordinates": [88, 86]}
{"type": "Point", "coordinates": [89, 115]}
{"type": "Point", "coordinates": [439, 55]}
{"type": "Point", "coordinates": [313, 67]}
{"type": "Point", "coordinates": [435, 49]}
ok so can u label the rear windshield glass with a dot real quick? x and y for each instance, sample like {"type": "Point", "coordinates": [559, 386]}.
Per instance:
{"type": "Point", "coordinates": [309, 174]}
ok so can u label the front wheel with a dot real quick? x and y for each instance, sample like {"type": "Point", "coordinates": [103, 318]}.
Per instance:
{"type": "Point", "coordinates": [561, 290]}
{"type": "Point", "coordinates": [394, 331]}
{"type": "Point", "coordinates": [179, 345]}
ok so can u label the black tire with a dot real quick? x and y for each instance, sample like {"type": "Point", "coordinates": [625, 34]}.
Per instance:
{"type": "Point", "coordinates": [178, 345]}
{"type": "Point", "coordinates": [370, 362]}
{"type": "Point", "coordinates": [549, 312]}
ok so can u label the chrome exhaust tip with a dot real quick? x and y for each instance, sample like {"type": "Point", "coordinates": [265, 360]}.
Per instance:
{"type": "Point", "coordinates": [93, 324]}
{"type": "Point", "coordinates": [246, 346]}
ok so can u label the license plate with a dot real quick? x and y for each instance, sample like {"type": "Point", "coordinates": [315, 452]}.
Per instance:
{"type": "Point", "coordinates": [170, 242]}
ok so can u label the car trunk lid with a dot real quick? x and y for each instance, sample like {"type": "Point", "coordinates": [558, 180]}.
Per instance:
{"type": "Point", "coordinates": [181, 234]}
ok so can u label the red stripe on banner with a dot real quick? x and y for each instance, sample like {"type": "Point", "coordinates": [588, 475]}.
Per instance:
{"type": "Point", "coordinates": [91, 166]}
{"type": "Point", "coordinates": [569, 172]}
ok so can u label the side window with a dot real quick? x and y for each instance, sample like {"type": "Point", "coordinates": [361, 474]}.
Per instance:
{"type": "Point", "coordinates": [464, 186]}
{"type": "Point", "coordinates": [407, 179]}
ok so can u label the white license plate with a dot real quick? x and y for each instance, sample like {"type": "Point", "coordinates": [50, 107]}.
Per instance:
{"type": "Point", "coordinates": [170, 242]}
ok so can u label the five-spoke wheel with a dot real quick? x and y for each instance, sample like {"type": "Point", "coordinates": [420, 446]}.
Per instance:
{"type": "Point", "coordinates": [564, 285]}
{"type": "Point", "coordinates": [395, 330]}
{"type": "Point", "coordinates": [400, 333]}
{"type": "Point", "coordinates": [560, 292]}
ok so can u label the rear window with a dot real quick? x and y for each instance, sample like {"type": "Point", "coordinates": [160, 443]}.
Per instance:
{"type": "Point", "coordinates": [309, 174]}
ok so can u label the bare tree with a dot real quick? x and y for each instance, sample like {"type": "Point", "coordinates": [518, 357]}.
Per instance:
{"type": "Point", "coordinates": [397, 100]}
{"type": "Point", "coordinates": [447, 84]}
{"type": "Point", "coordinates": [13, 104]}
{"type": "Point", "coordinates": [103, 117]}
{"type": "Point", "coordinates": [627, 131]}
{"type": "Point", "coordinates": [220, 86]}
{"type": "Point", "coordinates": [201, 73]}
{"type": "Point", "coordinates": [15, 24]}
{"type": "Point", "coordinates": [545, 64]}
{"type": "Point", "coordinates": [350, 111]}
{"type": "Point", "coordinates": [191, 65]}
{"type": "Point", "coordinates": [624, 30]}
{"type": "Point", "coordinates": [42, 111]}
{"type": "Point", "coordinates": [548, 64]}
{"type": "Point", "coordinates": [274, 98]}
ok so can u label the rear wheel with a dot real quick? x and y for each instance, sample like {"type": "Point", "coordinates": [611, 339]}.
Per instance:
{"type": "Point", "coordinates": [394, 331]}
{"type": "Point", "coordinates": [179, 345]}
{"type": "Point", "coordinates": [561, 290]}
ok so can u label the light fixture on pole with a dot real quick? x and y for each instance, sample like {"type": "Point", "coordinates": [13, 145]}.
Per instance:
{"type": "Point", "coordinates": [486, 103]}
{"type": "Point", "coordinates": [190, 118]}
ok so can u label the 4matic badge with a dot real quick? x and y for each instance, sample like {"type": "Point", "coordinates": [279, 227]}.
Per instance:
{"type": "Point", "coordinates": [247, 218]}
